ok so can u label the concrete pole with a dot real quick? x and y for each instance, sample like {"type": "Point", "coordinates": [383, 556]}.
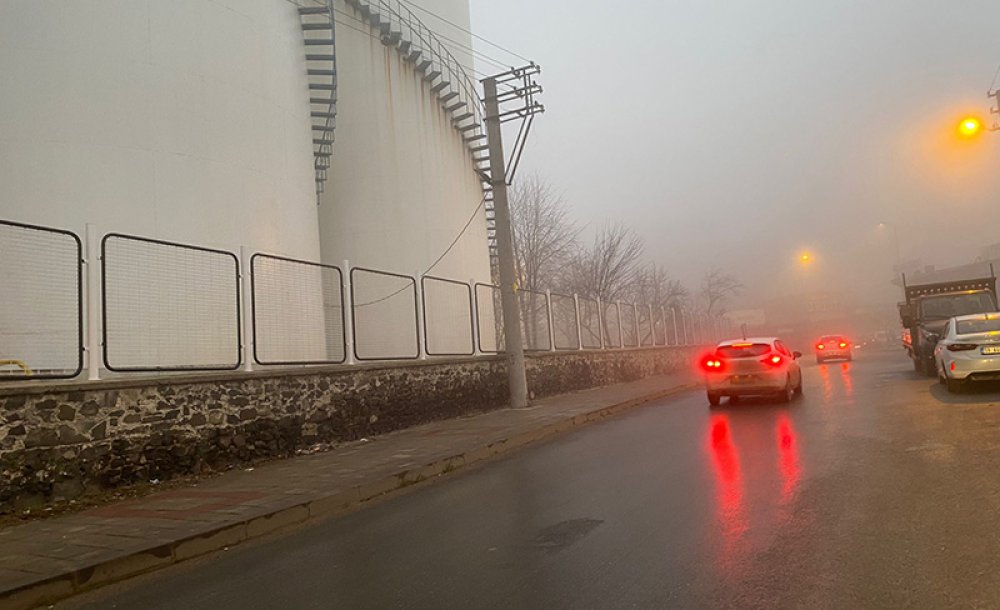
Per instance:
{"type": "Point", "coordinates": [517, 379]}
{"type": "Point", "coordinates": [348, 306]}
{"type": "Point", "coordinates": [93, 284]}
{"type": "Point", "coordinates": [248, 322]}
{"type": "Point", "coordinates": [673, 320]}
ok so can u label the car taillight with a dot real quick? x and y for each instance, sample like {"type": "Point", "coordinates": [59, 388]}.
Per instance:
{"type": "Point", "coordinates": [820, 346]}
{"type": "Point", "coordinates": [774, 360]}
{"type": "Point", "coordinates": [961, 347]}
{"type": "Point", "coordinates": [843, 345]}
{"type": "Point", "coordinates": [713, 364]}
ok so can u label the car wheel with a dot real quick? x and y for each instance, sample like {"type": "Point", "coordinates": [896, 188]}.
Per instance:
{"type": "Point", "coordinates": [788, 393]}
{"type": "Point", "coordinates": [955, 386]}
{"type": "Point", "coordinates": [714, 399]}
{"type": "Point", "coordinates": [734, 400]}
{"type": "Point", "coordinates": [798, 390]}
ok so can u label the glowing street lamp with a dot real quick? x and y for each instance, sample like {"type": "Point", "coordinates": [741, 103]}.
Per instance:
{"type": "Point", "coordinates": [805, 258]}
{"type": "Point", "coordinates": [970, 127]}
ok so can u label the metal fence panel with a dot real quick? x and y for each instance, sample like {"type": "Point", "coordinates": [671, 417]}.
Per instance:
{"type": "Point", "coordinates": [645, 326]}
{"type": "Point", "coordinates": [630, 330]}
{"type": "Point", "coordinates": [489, 319]}
{"type": "Point", "coordinates": [564, 322]}
{"type": "Point", "coordinates": [41, 303]}
{"type": "Point", "coordinates": [612, 325]}
{"type": "Point", "coordinates": [169, 306]}
{"type": "Point", "coordinates": [298, 311]}
{"type": "Point", "coordinates": [659, 327]}
{"type": "Point", "coordinates": [447, 317]}
{"type": "Point", "coordinates": [385, 315]}
{"type": "Point", "coordinates": [534, 320]}
{"type": "Point", "coordinates": [590, 323]}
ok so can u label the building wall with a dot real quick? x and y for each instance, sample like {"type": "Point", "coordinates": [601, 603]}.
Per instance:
{"type": "Point", "coordinates": [402, 184]}
{"type": "Point", "coordinates": [185, 121]}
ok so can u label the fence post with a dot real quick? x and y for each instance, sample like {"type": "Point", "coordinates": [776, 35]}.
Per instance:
{"type": "Point", "coordinates": [552, 330]}
{"type": "Point", "coordinates": [652, 325]}
{"type": "Point", "coordinates": [635, 324]}
{"type": "Point", "coordinates": [246, 290]}
{"type": "Point", "coordinates": [600, 323]}
{"type": "Point", "coordinates": [663, 324]}
{"type": "Point", "coordinates": [345, 274]}
{"type": "Point", "coordinates": [475, 318]}
{"type": "Point", "coordinates": [673, 321]}
{"type": "Point", "coordinates": [579, 330]}
{"type": "Point", "coordinates": [93, 287]}
{"type": "Point", "coordinates": [421, 330]}
{"type": "Point", "coordinates": [621, 334]}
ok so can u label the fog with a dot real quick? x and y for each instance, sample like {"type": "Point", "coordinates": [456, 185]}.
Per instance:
{"type": "Point", "coordinates": [738, 134]}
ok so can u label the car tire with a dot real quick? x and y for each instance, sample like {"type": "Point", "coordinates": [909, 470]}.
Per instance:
{"type": "Point", "coordinates": [734, 400]}
{"type": "Point", "coordinates": [955, 386]}
{"type": "Point", "coordinates": [714, 399]}
{"type": "Point", "coordinates": [798, 390]}
{"type": "Point", "coordinates": [788, 393]}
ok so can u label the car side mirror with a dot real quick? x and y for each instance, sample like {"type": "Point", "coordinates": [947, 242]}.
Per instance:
{"type": "Point", "coordinates": [796, 355]}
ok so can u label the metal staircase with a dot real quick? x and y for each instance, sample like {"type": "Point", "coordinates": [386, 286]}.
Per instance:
{"type": "Point", "coordinates": [319, 37]}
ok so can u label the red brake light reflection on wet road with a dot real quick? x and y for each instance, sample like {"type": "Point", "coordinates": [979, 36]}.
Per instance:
{"type": "Point", "coordinates": [788, 459]}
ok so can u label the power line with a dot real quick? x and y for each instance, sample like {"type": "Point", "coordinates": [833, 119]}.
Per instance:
{"type": "Point", "coordinates": [373, 36]}
{"type": "Point", "coordinates": [465, 228]}
{"type": "Point", "coordinates": [470, 33]}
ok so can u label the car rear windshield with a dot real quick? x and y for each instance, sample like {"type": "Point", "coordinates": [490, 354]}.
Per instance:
{"type": "Point", "coordinates": [743, 350]}
{"type": "Point", "coordinates": [831, 339]}
{"type": "Point", "coordinates": [982, 325]}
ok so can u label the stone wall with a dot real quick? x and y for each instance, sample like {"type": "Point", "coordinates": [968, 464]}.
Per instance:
{"type": "Point", "coordinates": [59, 441]}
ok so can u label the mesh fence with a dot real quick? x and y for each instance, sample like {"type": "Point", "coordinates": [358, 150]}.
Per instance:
{"type": "Point", "coordinates": [645, 325]}
{"type": "Point", "coordinates": [40, 303]}
{"type": "Point", "coordinates": [672, 329]}
{"type": "Point", "coordinates": [590, 323]}
{"type": "Point", "coordinates": [298, 311]}
{"type": "Point", "coordinates": [659, 327]}
{"type": "Point", "coordinates": [489, 318]}
{"type": "Point", "coordinates": [169, 306]}
{"type": "Point", "coordinates": [534, 320]}
{"type": "Point", "coordinates": [564, 322]}
{"type": "Point", "coordinates": [447, 317]}
{"type": "Point", "coordinates": [385, 315]}
{"type": "Point", "coordinates": [612, 325]}
{"type": "Point", "coordinates": [630, 330]}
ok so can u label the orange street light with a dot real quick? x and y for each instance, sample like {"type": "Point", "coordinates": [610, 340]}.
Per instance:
{"type": "Point", "coordinates": [970, 127]}
{"type": "Point", "coordinates": [805, 258]}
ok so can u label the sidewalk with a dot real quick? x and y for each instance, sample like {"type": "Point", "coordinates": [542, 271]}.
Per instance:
{"type": "Point", "coordinates": [43, 561]}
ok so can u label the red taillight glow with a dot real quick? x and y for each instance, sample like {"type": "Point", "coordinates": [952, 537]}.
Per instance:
{"type": "Point", "coordinates": [961, 347]}
{"type": "Point", "coordinates": [820, 346]}
{"type": "Point", "coordinates": [774, 360]}
{"type": "Point", "coordinates": [713, 364]}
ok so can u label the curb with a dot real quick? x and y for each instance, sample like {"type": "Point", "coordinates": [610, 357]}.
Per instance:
{"type": "Point", "coordinates": [222, 536]}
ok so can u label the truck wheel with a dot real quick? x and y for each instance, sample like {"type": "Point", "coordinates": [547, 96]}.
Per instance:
{"type": "Point", "coordinates": [714, 399]}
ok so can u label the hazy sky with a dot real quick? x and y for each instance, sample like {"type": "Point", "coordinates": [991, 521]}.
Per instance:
{"type": "Point", "coordinates": [738, 133]}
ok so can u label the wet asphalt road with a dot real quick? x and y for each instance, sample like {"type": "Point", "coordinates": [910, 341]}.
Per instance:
{"type": "Point", "coordinates": [876, 489]}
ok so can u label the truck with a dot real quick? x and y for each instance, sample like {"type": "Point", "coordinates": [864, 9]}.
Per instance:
{"type": "Point", "coordinates": [928, 307]}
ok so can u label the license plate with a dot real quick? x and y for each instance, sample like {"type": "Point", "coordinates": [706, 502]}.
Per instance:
{"type": "Point", "coordinates": [742, 379]}
{"type": "Point", "coordinates": [991, 349]}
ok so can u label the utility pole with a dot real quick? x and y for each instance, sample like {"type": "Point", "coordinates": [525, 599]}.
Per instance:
{"type": "Point", "coordinates": [513, 344]}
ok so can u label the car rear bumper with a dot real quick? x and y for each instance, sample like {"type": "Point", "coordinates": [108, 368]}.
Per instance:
{"type": "Point", "coordinates": [746, 385]}
{"type": "Point", "coordinates": [833, 354]}
{"type": "Point", "coordinates": [973, 367]}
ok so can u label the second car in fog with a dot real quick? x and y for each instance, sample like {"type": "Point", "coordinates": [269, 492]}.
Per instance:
{"type": "Point", "coordinates": [752, 367]}
{"type": "Point", "coordinates": [833, 347]}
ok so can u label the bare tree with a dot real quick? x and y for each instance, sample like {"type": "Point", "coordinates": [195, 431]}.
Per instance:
{"type": "Point", "coordinates": [717, 287]}
{"type": "Point", "coordinates": [653, 285]}
{"type": "Point", "coordinates": [608, 269]}
{"type": "Point", "coordinates": [544, 235]}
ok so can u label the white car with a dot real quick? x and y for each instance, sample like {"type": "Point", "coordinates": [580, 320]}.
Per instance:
{"type": "Point", "coordinates": [752, 367]}
{"type": "Point", "coordinates": [969, 350]}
